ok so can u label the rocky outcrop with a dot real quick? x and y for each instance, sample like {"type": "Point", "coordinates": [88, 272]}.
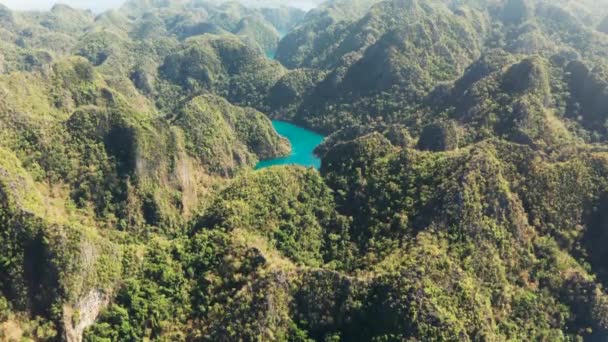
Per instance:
{"type": "Point", "coordinates": [83, 314]}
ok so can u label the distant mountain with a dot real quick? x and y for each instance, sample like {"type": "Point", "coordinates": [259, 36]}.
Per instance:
{"type": "Point", "coordinates": [45, 5]}
{"type": "Point", "coordinates": [301, 4]}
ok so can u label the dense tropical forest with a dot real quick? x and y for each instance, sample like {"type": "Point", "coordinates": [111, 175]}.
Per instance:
{"type": "Point", "coordinates": [462, 193]}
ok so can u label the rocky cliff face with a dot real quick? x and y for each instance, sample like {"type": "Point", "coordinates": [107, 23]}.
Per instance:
{"type": "Point", "coordinates": [82, 315]}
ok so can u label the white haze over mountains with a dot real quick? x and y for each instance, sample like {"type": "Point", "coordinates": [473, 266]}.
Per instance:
{"type": "Point", "coordinates": [98, 6]}
{"type": "Point", "coordinates": [44, 5]}
{"type": "Point", "coordinates": [303, 4]}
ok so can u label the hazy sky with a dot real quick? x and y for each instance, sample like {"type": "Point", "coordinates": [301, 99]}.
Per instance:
{"type": "Point", "coordinates": [101, 5]}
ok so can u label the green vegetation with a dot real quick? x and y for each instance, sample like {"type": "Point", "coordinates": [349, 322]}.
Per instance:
{"type": "Point", "coordinates": [462, 193]}
{"type": "Point", "coordinates": [223, 65]}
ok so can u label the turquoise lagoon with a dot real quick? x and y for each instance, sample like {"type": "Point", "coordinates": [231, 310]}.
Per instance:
{"type": "Point", "coordinates": [303, 143]}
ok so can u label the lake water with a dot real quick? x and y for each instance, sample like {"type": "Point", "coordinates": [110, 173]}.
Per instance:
{"type": "Point", "coordinates": [303, 143]}
{"type": "Point", "coordinates": [270, 54]}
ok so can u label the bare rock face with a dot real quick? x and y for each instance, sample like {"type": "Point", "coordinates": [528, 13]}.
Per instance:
{"type": "Point", "coordinates": [82, 315]}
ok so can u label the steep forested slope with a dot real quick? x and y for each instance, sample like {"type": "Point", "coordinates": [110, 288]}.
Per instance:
{"type": "Point", "coordinates": [462, 192]}
{"type": "Point", "coordinates": [93, 161]}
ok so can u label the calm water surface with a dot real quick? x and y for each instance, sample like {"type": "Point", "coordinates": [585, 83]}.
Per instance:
{"type": "Point", "coordinates": [303, 143]}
